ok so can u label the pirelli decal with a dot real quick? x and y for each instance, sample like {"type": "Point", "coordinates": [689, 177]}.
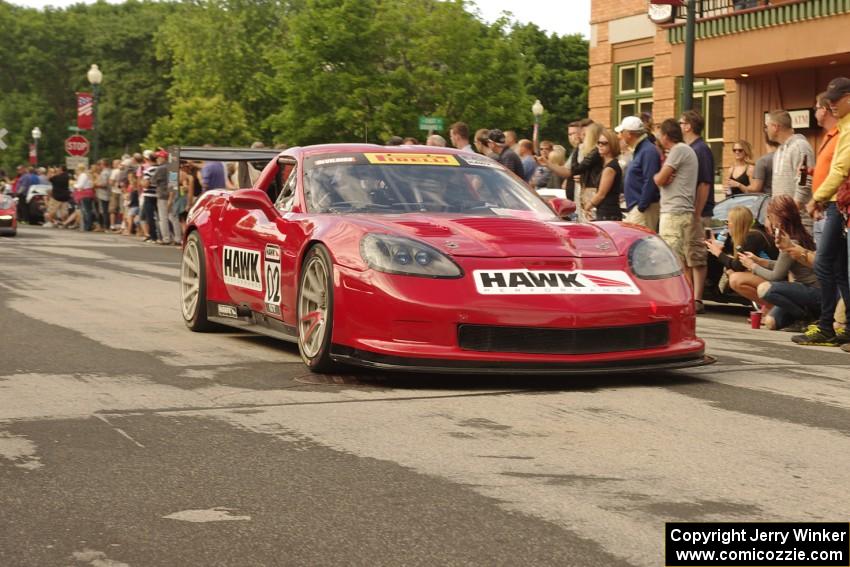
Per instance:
{"type": "Point", "coordinates": [241, 268]}
{"type": "Point", "coordinates": [412, 159]}
{"type": "Point", "coordinates": [542, 282]}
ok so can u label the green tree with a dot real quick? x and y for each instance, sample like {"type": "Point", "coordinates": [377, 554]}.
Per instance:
{"type": "Point", "coordinates": [202, 120]}
{"type": "Point", "coordinates": [44, 59]}
{"type": "Point", "coordinates": [215, 47]}
{"type": "Point", "coordinates": [352, 69]}
{"type": "Point", "coordinates": [556, 72]}
{"type": "Point", "coordinates": [294, 71]}
{"type": "Point", "coordinates": [120, 39]}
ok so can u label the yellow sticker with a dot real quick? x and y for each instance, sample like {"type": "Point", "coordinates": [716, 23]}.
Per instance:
{"type": "Point", "coordinates": [412, 159]}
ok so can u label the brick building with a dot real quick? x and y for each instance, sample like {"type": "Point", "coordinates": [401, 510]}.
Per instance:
{"type": "Point", "coordinates": [751, 56]}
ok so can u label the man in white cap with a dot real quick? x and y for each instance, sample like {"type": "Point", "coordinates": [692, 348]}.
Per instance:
{"type": "Point", "coordinates": [639, 189]}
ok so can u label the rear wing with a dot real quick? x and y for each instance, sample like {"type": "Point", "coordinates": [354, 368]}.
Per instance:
{"type": "Point", "coordinates": [257, 158]}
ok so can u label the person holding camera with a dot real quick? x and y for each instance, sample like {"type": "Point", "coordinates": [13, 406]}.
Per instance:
{"type": "Point", "coordinates": [795, 299]}
{"type": "Point", "coordinates": [744, 236]}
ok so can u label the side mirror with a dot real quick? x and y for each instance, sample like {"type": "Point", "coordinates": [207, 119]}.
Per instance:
{"type": "Point", "coordinates": [253, 199]}
{"type": "Point", "coordinates": [562, 207]}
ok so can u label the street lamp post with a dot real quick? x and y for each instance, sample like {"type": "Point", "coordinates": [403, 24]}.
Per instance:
{"type": "Point", "coordinates": [36, 135]}
{"type": "Point", "coordinates": [537, 111]}
{"type": "Point", "coordinates": [690, 40]}
{"type": "Point", "coordinates": [95, 77]}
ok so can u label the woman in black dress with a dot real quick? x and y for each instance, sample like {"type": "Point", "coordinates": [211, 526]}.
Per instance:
{"type": "Point", "coordinates": [606, 200]}
{"type": "Point", "coordinates": [741, 173]}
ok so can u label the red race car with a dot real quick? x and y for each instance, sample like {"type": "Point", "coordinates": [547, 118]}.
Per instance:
{"type": "Point", "coordinates": [8, 215]}
{"type": "Point", "coordinates": [428, 259]}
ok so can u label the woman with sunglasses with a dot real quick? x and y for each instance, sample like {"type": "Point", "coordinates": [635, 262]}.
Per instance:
{"type": "Point", "coordinates": [606, 200]}
{"type": "Point", "coordinates": [741, 172]}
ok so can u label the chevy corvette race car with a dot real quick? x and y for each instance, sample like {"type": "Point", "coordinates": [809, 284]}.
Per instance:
{"type": "Point", "coordinates": [428, 259]}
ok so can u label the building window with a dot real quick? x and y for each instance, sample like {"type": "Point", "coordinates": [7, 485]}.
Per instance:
{"type": "Point", "coordinates": [633, 91]}
{"type": "Point", "coordinates": [628, 80]}
{"type": "Point", "coordinates": [645, 76]}
{"type": "Point", "coordinates": [709, 96]}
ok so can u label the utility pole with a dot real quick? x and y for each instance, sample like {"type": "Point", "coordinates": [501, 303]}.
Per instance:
{"type": "Point", "coordinates": [690, 33]}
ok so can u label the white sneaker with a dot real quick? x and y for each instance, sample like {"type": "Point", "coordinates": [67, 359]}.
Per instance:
{"type": "Point", "coordinates": [48, 225]}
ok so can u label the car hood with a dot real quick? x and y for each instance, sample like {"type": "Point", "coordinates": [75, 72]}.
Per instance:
{"type": "Point", "coordinates": [499, 237]}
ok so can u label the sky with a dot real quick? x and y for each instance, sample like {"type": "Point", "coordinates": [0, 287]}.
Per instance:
{"type": "Point", "coordinates": [559, 16]}
{"type": "Point", "coordinates": [555, 16]}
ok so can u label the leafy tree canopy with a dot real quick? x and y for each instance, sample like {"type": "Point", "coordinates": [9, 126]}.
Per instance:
{"type": "Point", "coordinates": [292, 71]}
{"type": "Point", "coordinates": [200, 120]}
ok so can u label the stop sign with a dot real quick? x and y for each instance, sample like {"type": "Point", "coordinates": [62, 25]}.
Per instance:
{"type": "Point", "coordinates": [76, 145]}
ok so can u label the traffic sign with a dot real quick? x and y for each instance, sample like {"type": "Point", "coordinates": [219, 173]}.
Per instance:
{"type": "Point", "coordinates": [71, 162]}
{"type": "Point", "coordinates": [76, 145]}
{"type": "Point", "coordinates": [74, 129]}
{"type": "Point", "coordinates": [3, 132]}
{"type": "Point", "coordinates": [430, 123]}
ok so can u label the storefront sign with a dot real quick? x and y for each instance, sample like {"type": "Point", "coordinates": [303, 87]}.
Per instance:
{"type": "Point", "coordinates": [800, 118]}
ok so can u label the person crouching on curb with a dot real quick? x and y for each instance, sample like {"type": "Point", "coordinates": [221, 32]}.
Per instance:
{"type": "Point", "coordinates": [746, 236]}
{"type": "Point", "coordinates": [798, 301]}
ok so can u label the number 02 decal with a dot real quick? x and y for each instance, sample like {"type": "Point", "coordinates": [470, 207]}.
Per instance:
{"type": "Point", "coordinates": [272, 277]}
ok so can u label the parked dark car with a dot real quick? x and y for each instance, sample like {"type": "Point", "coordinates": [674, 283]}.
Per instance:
{"type": "Point", "coordinates": [757, 203]}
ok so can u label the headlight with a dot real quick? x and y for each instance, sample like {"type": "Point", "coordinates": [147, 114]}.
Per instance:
{"type": "Point", "coordinates": [398, 255]}
{"type": "Point", "coordinates": [5, 217]}
{"type": "Point", "coordinates": [651, 259]}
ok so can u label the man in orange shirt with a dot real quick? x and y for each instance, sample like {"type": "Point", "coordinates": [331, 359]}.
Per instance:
{"type": "Point", "coordinates": [825, 151]}
{"type": "Point", "coordinates": [831, 256]}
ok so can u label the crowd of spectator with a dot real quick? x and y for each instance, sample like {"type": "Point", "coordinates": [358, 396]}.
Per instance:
{"type": "Point", "coordinates": [130, 196]}
{"type": "Point", "coordinates": [793, 267]}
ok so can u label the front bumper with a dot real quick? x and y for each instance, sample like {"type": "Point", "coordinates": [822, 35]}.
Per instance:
{"type": "Point", "coordinates": [366, 359]}
{"type": "Point", "coordinates": [407, 323]}
{"type": "Point", "coordinates": [8, 223]}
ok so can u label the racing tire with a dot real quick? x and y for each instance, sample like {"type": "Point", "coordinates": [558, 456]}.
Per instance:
{"type": "Point", "coordinates": [193, 285]}
{"type": "Point", "coordinates": [315, 310]}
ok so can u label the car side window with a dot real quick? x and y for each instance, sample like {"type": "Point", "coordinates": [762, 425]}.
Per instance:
{"type": "Point", "coordinates": [287, 194]}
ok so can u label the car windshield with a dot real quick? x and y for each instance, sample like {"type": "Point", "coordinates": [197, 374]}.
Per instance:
{"type": "Point", "coordinates": [351, 184]}
{"type": "Point", "coordinates": [5, 202]}
{"type": "Point", "coordinates": [721, 209]}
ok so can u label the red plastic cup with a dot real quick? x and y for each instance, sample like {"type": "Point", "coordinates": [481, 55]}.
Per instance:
{"type": "Point", "coordinates": [755, 319]}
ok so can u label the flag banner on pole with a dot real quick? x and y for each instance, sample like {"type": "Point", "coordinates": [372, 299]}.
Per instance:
{"type": "Point", "coordinates": [85, 111]}
{"type": "Point", "coordinates": [33, 155]}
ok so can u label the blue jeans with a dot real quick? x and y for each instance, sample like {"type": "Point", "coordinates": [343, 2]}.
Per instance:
{"type": "Point", "coordinates": [817, 231]}
{"type": "Point", "coordinates": [792, 301]}
{"type": "Point", "coordinates": [103, 213]}
{"type": "Point", "coordinates": [831, 267]}
{"type": "Point", "coordinates": [87, 207]}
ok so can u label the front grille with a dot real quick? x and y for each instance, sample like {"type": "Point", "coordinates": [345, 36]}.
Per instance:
{"type": "Point", "coordinates": [532, 340]}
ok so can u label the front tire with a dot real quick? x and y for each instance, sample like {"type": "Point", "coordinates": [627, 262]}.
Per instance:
{"type": "Point", "coordinates": [193, 285]}
{"type": "Point", "coordinates": [315, 310]}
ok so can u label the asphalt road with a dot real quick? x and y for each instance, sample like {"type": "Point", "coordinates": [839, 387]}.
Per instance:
{"type": "Point", "coordinates": [127, 440]}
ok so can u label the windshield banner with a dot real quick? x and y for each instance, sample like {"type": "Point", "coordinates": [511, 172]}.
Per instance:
{"type": "Point", "coordinates": [412, 159]}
